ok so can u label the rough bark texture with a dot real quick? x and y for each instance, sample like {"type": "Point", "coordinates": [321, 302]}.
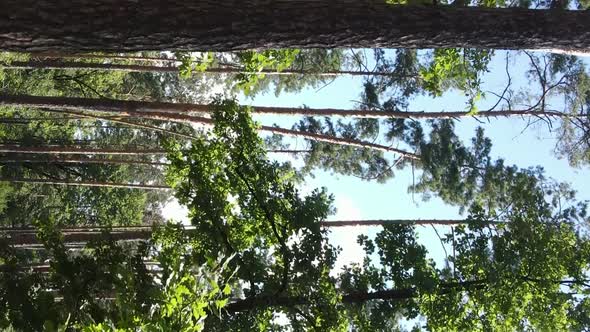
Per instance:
{"type": "Point", "coordinates": [131, 25]}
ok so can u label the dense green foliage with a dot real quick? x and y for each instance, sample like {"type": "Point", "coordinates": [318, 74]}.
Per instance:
{"type": "Point", "coordinates": [255, 256]}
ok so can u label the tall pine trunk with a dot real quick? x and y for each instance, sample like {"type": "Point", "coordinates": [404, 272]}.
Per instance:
{"type": "Point", "coordinates": [77, 160]}
{"type": "Point", "coordinates": [86, 184]}
{"type": "Point", "coordinates": [173, 112]}
{"type": "Point", "coordinates": [63, 65]}
{"type": "Point", "coordinates": [127, 107]}
{"type": "Point", "coordinates": [27, 236]}
{"type": "Point", "coordinates": [130, 25]}
{"type": "Point", "coordinates": [7, 148]}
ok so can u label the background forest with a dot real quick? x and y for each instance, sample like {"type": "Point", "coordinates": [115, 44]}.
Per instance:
{"type": "Point", "coordinates": [304, 188]}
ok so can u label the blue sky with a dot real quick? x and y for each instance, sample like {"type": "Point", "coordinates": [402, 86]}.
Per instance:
{"type": "Point", "coordinates": [357, 199]}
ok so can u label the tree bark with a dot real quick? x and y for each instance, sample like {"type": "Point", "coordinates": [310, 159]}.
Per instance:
{"type": "Point", "coordinates": [57, 150]}
{"type": "Point", "coordinates": [128, 107]}
{"type": "Point", "coordinates": [173, 112]}
{"type": "Point", "coordinates": [26, 236]}
{"type": "Point", "coordinates": [130, 25]}
{"type": "Point", "coordinates": [70, 160]}
{"type": "Point", "coordinates": [60, 65]}
{"type": "Point", "coordinates": [126, 123]}
{"type": "Point", "coordinates": [24, 239]}
{"type": "Point", "coordinates": [5, 148]}
{"type": "Point", "coordinates": [87, 184]}
{"type": "Point", "coordinates": [386, 222]}
{"type": "Point", "coordinates": [126, 57]}
{"type": "Point", "coordinates": [261, 302]}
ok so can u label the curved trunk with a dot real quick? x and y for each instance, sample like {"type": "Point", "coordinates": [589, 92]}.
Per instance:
{"type": "Point", "coordinates": [130, 25]}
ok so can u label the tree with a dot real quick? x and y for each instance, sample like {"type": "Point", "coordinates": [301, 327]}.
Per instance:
{"type": "Point", "coordinates": [519, 274]}
{"type": "Point", "coordinates": [329, 25]}
{"type": "Point", "coordinates": [82, 134]}
{"type": "Point", "coordinates": [172, 112]}
{"type": "Point", "coordinates": [109, 286]}
{"type": "Point", "coordinates": [406, 282]}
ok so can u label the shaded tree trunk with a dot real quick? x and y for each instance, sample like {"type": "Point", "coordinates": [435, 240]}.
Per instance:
{"type": "Point", "coordinates": [129, 25]}
{"type": "Point", "coordinates": [87, 184]}
{"type": "Point", "coordinates": [386, 222]}
{"type": "Point", "coordinates": [7, 148]}
{"type": "Point", "coordinates": [79, 160]}
{"type": "Point", "coordinates": [124, 122]}
{"type": "Point", "coordinates": [127, 107]}
{"type": "Point", "coordinates": [4, 148]}
{"type": "Point", "coordinates": [26, 236]}
{"type": "Point", "coordinates": [30, 238]}
{"type": "Point", "coordinates": [261, 302]}
{"type": "Point", "coordinates": [174, 69]}
{"type": "Point", "coordinates": [125, 57]}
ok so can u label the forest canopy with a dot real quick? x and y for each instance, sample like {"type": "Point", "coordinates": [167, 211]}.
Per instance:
{"type": "Point", "coordinates": [164, 173]}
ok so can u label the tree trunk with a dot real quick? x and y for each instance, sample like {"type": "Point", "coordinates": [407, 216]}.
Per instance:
{"type": "Point", "coordinates": [26, 236]}
{"type": "Point", "coordinates": [127, 107]}
{"type": "Point", "coordinates": [4, 148]}
{"type": "Point", "coordinates": [175, 69]}
{"type": "Point", "coordinates": [387, 222]}
{"type": "Point", "coordinates": [87, 184]}
{"type": "Point", "coordinates": [130, 25]}
{"type": "Point", "coordinates": [126, 123]}
{"type": "Point", "coordinates": [126, 57]}
{"type": "Point", "coordinates": [57, 150]}
{"type": "Point", "coordinates": [265, 301]}
{"type": "Point", "coordinates": [70, 160]}
{"type": "Point", "coordinates": [173, 112]}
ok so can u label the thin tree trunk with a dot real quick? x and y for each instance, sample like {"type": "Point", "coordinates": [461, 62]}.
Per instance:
{"type": "Point", "coordinates": [87, 184]}
{"type": "Point", "coordinates": [69, 160]}
{"type": "Point", "coordinates": [265, 301]}
{"type": "Point", "coordinates": [172, 112]}
{"type": "Point", "coordinates": [126, 106]}
{"type": "Point", "coordinates": [284, 132]}
{"type": "Point", "coordinates": [339, 141]}
{"type": "Point", "coordinates": [126, 123]}
{"type": "Point", "coordinates": [26, 236]}
{"type": "Point", "coordinates": [28, 120]}
{"type": "Point", "coordinates": [46, 268]}
{"type": "Point", "coordinates": [386, 222]}
{"type": "Point", "coordinates": [5, 148]}
{"type": "Point", "coordinates": [25, 239]}
{"type": "Point", "coordinates": [57, 150]}
{"type": "Point", "coordinates": [58, 55]}
{"type": "Point", "coordinates": [174, 69]}
{"type": "Point", "coordinates": [129, 25]}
